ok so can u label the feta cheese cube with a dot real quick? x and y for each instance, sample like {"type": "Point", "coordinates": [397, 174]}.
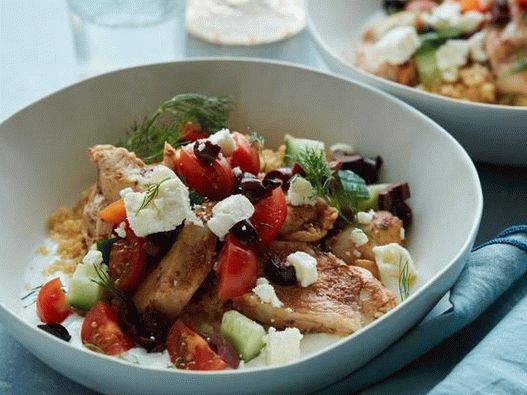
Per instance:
{"type": "Point", "coordinates": [477, 47]}
{"type": "Point", "coordinates": [266, 292]}
{"type": "Point", "coordinates": [282, 346]}
{"type": "Point", "coordinates": [93, 257]}
{"type": "Point", "coordinates": [165, 211]}
{"type": "Point", "coordinates": [228, 212]}
{"type": "Point", "coordinates": [301, 192]}
{"type": "Point", "coordinates": [448, 15]}
{"type": "Point", "coordinates": [450, 56]}
{"type": "Point", "coordinates": [398, 45]}
{"type": "Point", "coordinates": [346, 148]}
{"type": "Point", "coordinates": [364, 218]}
{"type": "Point", "coordinates": [305, 267]}
{"type": "Point", "coordinates": [470, 21]}
{"type": "Point", "coordinates": [391, 259]}
{"type": "Point", "coordinates": [358, 237]}
{"type": "Point", "coordinates": [120, 230]}
{"type": "Point", "coordinates": [125, 191]}
{"type": "Point", "coordinates": [224, 139]}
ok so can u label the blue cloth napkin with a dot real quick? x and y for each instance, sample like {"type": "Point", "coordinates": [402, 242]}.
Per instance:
{"type": "Point", "coordinates": [498, 364]}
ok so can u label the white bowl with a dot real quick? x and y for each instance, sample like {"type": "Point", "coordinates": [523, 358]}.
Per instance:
{"type": "Point", "coordinates": [43, 165]}
{"type": "Point", "coordinates": [489, 133]}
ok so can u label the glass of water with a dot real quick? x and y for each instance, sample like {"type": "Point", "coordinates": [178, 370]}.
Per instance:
{"type": "Point", "coordinates": [112, 34]}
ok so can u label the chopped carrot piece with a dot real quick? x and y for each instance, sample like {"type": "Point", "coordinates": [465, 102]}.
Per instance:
{"type": "Point", "coordinates": [114, 213]}
{"type": "Point", "coordinates": [472, 5]}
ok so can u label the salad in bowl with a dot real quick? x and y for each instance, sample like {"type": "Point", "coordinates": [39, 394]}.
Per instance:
{"type": "Point", "coordinates": [199, 248]}
{"type": "Point", "coordinates": [474, 50]}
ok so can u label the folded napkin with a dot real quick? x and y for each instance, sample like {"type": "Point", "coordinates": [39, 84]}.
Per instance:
{"type": "Point", "coordinates": [498, 364]}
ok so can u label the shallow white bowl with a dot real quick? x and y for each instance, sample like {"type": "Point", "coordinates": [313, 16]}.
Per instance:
{"type": "Point", "coordinates": [43, 165]}
{"type": "Point", "coordinates": [489, 133]}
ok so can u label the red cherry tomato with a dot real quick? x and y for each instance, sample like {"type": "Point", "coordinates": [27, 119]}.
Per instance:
{"type": "Point", "coordinates": [523, 5]}
{"type": "Point", "coordinates": [101, 329]}
{"type": "Point", "coordinates": [237, 269]}
{"type": "Point", "coordinates": [52, 305]}
{"type": "Point", "coordinates": [190, 351]}
{"type": "Point", "coordinates": [192, 132]}
{"type": "Point", "coordinates": [269, 216]}
{"type": "Point", "coordinates": [246, 155]}
{"type": "Point", "coordinates": [127, 262]}
{"type": "Point", "coordinates": [421, 5]}
{"type": "Point", "coordinates": [214, 180]}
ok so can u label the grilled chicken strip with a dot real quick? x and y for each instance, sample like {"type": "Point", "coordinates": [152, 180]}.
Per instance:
{"type": "Point", "coordinates": [117, 168]}
{"type": "Point", "coordinates": [169, 287]}
{"type": "Point", "coordinates": [342, 300]}
{"type": "Point", "coordinates": [308, 223]}
{"type": "Point", "coordinates": [384, 228]}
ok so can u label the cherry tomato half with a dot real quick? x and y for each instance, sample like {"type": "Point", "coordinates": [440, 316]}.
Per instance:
{"type": "Point", "coordinates": [192, 132]}
{"type": "Point", "coordinates": [52, 305]}
{"type": "Point", "coordinates": [214, 180]}
{"type": "Point", "coordinates": [269, 216]}
{"type": "Point", "coordinates": [190, 351]}
{"type": "Point", "coordinates": [246, 155]}
{"type": "Point", "coordinates": [101, 329]}
{"type": "Point", "coordinates": [127, 262]}
{"type": "Point", "coordinates": [237, 269]}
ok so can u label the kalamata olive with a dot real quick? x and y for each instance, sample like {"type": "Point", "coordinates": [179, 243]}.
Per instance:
{"type": "Point", "coordinates": [393, 6]}
{"type": "Point", "coordinates": [278, 272]}
{"type": "Point", "coordinates": [367, 168]}
{"type": "Point", "coordinates": [245, 232]}
{"type": "Point", "coordinates": [271, 183]}
{"type": "Point", "coordinates": [402, 211]}
{"type": "Point", "coordinates": [56, 330]}
{"type": "Point", "coordinates": [500, 12]}
{"type": "Point", "coordinates": [206, 151]}
{"type": "Point", "coordinates": [224, 349]}
{"type": "Point", "coordinates": [282, 173]}
{"type": "Point", "coordinates": [393, 194]}
{"type": "Point", "coordinates": [253, 189]}
{"type": "Point", "coordinates": [297, 169]}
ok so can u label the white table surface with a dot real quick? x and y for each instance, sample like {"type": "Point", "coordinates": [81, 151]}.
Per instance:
{"type": "Point", "coordinates": [37, 58]}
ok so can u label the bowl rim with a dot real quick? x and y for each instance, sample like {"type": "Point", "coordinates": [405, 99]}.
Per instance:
{"type": "Point", "coordinates": [443, 100]}
{"type": "Point", "coordinates": [465, 248]}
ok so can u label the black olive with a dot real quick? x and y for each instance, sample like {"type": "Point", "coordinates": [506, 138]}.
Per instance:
{"type": "Point", "coordinates": [245, 232]}
{"type": "Point", "coordinates": [393, 6]}
{"type": "Point", "coordinates": [56, 330]}
{"type": "Point", "coordinates": [283, 173]}
{"type": "Point", "coordinates": [278, 272]}
{"type": "Point", "coordinates": [500, 12]}
{"type": "Point", "coordinates": [206, 151]}
{"type": "Point", "coordinates": [367, 168]}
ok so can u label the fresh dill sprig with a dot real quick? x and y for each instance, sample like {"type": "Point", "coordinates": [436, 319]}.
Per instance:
{"type": "Point", "coordinates": [31, 292]}
{"type": "Point", "coordinates": [106, 282]}
{"type": "Point", "coordinates": [257, 140]}
{"type": "Point", "coordinates": [148, 138]}
{"type": "Point", "coordinates": [150, 194]}
{"type": "Point", "coordinates": [404, 278]}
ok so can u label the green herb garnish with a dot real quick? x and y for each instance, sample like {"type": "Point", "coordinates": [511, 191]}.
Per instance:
{"type": "Point", "coordinates": [195, 198]}
{"type": "Point", "coordinates": [106, 282]}
{"type": "Point", "coordinates": [31, 292]}
{"type": "Point", "coordinates": [151, 194]}
{"type": "Point", "coordinates": [165, 125]}
{"type": "Point", "coordinates": [257, 140]}
{"type": "Point", "coordinates": [404, 278]}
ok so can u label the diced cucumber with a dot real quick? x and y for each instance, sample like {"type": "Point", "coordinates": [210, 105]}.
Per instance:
{"type": "Point", "coordinates": [245, 335]}
{"type": "Point", "coordinates": [372, 202]}
{"type": "Point", "coordinates": [83, 292]}
{"type": "Point", "coordinates": [425, 60]}
{"type": "Point", "coordinates": [294, 145]}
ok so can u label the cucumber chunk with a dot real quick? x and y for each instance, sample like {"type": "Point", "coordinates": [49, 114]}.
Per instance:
{"type": "Point", "coordinates": [427, 68]}
{"type": "Point", "coordinates": [372, 202]}
{"type": "Point", "coordinates": [294, 145]}
{"type": "Point", "coordinates": [245, 335]}
{"type": "Point", "coordinates": [83, 293]}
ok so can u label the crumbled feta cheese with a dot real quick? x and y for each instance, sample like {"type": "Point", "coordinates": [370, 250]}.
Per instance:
{"type": "Point", "coordinates": [477, 47]}
{"type": "Point", "coordinates": [224, 139]}
{"type": "Point", "coordinates": [93, 257]}
{"type": "Point", "coordinates": [346, 148]}
{"type": "Point", "coordinates": [266, 293]}
{"type": "Point", "coordinates": [165, 211]}
{"type": "Point", "coordinates": [402, 233]}
{"type": "Point", "coordinates": [301, 192]}
{"type": "Point", "coordinates": [282, 346]}
{"type": "Point", "coordinates": [125, 191]}
{"type": "Point", "coordinates": [364, 218]}
{"type": "Point", "coordinates": [228, 212]}
{"type": "Point", "coordinates": [358, 237]}
{"type": "Point", "coordinates": [357, 253]}
{"type": "Point", "coordinates": [390, 260]}
{"type": "Point", "coordinates": [192, 218]}
{"type": "Point", "coordinates": [398, 45]}
{"type": "Point", "coordinates": [450, 56]}
{"type": "Point", "coordinates": [120, 230]}
{"type": "Point", "coordinates": [448, 15]}
{"type": "Point", "coordinates": [305, 267]}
